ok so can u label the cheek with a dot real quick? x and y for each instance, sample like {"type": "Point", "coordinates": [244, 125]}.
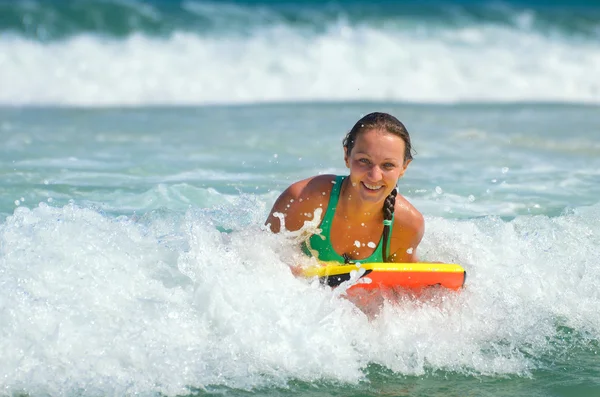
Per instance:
{"type": "Point", "coordinates": [400, 171]}
{"type": "Point", "coordinates": [394, 176]}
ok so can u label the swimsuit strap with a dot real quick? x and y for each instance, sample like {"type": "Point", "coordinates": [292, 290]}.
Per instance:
{"type": "Point", "coordinates": [321, 243]}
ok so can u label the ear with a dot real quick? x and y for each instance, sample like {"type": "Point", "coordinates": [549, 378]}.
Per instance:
{"type": "Point", "coordinates": [346, 157]}
{"type": "Point", "coordinates": [404, 167]}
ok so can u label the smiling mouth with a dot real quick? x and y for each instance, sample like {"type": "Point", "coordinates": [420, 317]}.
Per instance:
{"type": "Point", "coordinates": [372, 187]}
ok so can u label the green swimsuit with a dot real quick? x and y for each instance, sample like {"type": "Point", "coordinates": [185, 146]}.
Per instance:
{"type": "Point", "coordinates": [321, 243]}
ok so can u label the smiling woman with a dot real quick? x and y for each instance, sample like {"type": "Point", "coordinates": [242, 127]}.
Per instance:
{"type": "Point", "coordinates": [365, 218]}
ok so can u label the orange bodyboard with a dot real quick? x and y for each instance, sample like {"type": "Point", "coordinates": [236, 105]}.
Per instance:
{"type": "Point", "coordinates": [390, 275]}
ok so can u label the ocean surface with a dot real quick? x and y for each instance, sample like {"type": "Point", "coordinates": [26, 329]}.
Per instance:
{"type": "Point", "coordinates": [143, 144]}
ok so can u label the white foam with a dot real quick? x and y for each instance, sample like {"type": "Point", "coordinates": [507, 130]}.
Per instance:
{"type": "Point", "coordinates": [282, 63]}
{"type": "Point", "coordinates": [119, 306]}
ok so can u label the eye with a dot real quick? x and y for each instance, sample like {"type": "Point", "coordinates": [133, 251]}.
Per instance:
{"type": "Point", "coordinates": [389, 166]}
{"type": "Point", "coordinates": [364, 161]}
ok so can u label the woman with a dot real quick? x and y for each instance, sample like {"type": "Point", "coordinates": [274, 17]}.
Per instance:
{"type": "Point", "coordinates": [365, 219]}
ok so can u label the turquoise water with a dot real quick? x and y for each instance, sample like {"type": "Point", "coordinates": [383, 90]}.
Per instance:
{"type": "Point", "coordinates": [117, 277]}
{"type": "Point", "coordinates": [141, 156]}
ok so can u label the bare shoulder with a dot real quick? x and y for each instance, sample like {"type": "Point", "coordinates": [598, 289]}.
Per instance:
{"type": "Point", "coordinates": [313, 187]}
{"type": "Point", "coordinates": [298, 202]}
{"type": "Point", "coordinates": [406, 216]}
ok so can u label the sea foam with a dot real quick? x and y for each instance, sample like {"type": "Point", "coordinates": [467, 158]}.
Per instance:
{"type": "Point", "coordinates": [280, 62]}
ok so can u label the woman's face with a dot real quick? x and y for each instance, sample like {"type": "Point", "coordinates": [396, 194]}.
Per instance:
{"type": "Point", "coordinates": [376, 162]}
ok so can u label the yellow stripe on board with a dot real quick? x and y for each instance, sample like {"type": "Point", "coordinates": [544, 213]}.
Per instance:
{"type": "Point", "coordinates": [335, 269]}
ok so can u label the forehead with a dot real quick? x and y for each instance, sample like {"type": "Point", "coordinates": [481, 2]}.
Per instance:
{"type": "Point", "coordinates": [379, 143]}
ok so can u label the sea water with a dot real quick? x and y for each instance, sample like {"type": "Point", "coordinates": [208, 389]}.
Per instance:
{"type": "Point", "coordinates": [144, 143]}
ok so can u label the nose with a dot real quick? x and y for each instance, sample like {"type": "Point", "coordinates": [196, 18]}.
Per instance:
{"type": "Point", "coordinates": [374, 173]}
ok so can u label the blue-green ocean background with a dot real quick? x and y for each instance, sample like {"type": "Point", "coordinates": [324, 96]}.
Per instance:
{"type": "Point", "coordinates": [144, 142]}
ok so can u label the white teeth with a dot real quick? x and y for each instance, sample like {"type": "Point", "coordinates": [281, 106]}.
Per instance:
{"type": "Point", "coordinates": [371, 187]}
